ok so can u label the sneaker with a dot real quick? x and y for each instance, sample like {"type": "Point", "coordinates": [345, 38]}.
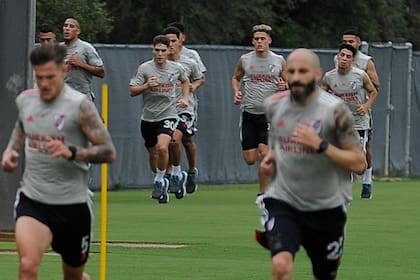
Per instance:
{"type": "Point", "coordinates": [366, 191]}
{"type": "Point", "coordinates": [160, 191]}
{"type": "Point", "coordinates": [191, 184]}
{"type": "Point", "coordinates": [177, 185]}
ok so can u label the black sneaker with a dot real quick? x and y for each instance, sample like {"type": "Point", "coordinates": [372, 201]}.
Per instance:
{"type": "Point", "coordinates": [366, 191]}
{"type": "Point", "coordinates": [191, 185]}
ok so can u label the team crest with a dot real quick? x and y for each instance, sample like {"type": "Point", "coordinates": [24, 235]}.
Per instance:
{"type": "Point", "coordinates": [316, 124]}
{"type": "Point", "coordinates": [271, 67]}
{"type": "Point", "coordinates": [353, 85]}
{"type": "Point", "coordinates": [171, 77]}
{"type": "Point", "coordinates": [59, 121]}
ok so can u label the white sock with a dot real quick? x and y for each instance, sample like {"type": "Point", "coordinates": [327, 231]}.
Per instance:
{"type": "Point", "coordinates": [176, 170]}
{"type": "Point", "coordinates": [160, 174]}
{"type": "Point", "coordinates": [367, 176]}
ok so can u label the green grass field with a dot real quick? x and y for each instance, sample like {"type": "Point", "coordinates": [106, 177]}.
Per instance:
{"type": "Point", "coordinates": [217, 225]}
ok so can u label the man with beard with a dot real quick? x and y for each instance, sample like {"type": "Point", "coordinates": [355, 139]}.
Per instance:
{"type": "Point", "coordinates": [351, 84]}
{"type": "Point", "coordinates": [313, 150]}
{"type": "Point", "coordinates": [82, 60]}
{"type": "Point", "coordinates": [60, 131]}
{"type": "Point", "coordinates": [260, 73]}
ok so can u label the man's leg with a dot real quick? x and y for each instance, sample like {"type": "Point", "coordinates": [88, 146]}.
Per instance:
{"type": "Point", "coordinates": [178, 178]}
{"type": "Point", "coordinates": [190, 151]}
{"type": "Point", "coordinates": [32, 240]}
{"type": "Point", "coordinates": [263, 178]}
{"type": "Point", "coordinates": [367, 176]}
{"type": "Point", "coordinates": [75, 273]}
{"type": "Point", "coordinates": [161, 184]}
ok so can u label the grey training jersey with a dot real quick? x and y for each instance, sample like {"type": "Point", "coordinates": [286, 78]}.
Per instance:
{"type": "Point", "coordinates": [52, 181]}
{"type": "Point", "coordinates": [193, 54]}
{"type": "Point", "coordinates": [261, 80]}
{"type": "Point", "coordinates": [76, 77]}
{"type": "Point", "coordinates": [159, 102]}
{"type": "Point", "coordinates": [193, 73]}
{"type": "Point", "coordinates": [349, 87]}
{"type": "Point", "coordinates": [306, 180]}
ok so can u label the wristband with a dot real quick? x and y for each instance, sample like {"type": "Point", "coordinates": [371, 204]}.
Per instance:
{"type": "Point", "coordinates": [322, 146]}
{"type": "Point", "coordinates": [73, 151]}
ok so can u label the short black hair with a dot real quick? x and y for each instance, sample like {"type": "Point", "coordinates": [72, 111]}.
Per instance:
{"type": "Point", "coordinates": [46, 28]}
{"type": "Point", "coordinates": [348, 47]}
{"type": "Point", "coordinates": [46, 53]}
{"type": "Point", "coordinates": [161, 39]}
{"type": "Point", "coordinates": [178, 25]}
{"type": "Point", "coordinates": [352, 32]}
{"type": "Point", "coordinates": [171, 30]}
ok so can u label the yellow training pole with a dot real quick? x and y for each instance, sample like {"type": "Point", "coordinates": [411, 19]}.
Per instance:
{"type": "Point", "coordinates": [104, 190]}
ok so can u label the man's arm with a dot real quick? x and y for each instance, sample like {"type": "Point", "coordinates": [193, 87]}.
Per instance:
{"type": "Point", "coordinates": [372, 92]}
{"type": "Point", "coordinates": [325, 86]}
{"type": "Point", "coordinates": [185, 87]}
{"type": "Point", "coordinates": [139, 89]}
{"type": "Point", "coordinates": [102, 149]}
{"type": "Point", "coordinates": [97, 71]}
{"type": "Point", "coordinates": [236, 82]}
{"type": "Point", "coordinates": [11, 154]}
{"type": "Point", "coordinates": [349, 154]}
{"type": "Point", "coordinates": [373, 75]}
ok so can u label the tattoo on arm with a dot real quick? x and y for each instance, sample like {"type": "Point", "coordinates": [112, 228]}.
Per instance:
{"type": "Point", "coordinates": [102, 149]}
{"type": "Point", "coordinates": [344, 124]}
{"type": "Point", "coordinates": [17, 139]}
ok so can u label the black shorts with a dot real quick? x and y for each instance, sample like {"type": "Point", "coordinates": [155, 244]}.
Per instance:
{"type": "Point", "coordinates": [254, 130]}
{"type": "Point", "coordinates": [151, 130]}
{"type": "Point", "coordinates": [70, 226]}
{"type": "Point", "coordinates": [321, 233]}
{"type": "Point", "coordinates": [186, 124]}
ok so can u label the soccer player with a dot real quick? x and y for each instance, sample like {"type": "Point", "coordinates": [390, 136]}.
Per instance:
{"type": "Point", "coordinates": [190, 147]}
{"type": "Point", "coordinates": [61, 132]}
{"type": "Point", "coordinates": [262, 73]}
{"type": "Point", "coordinates": [313, 150]}
{"type": "Point", "coordinates": [156, 81]}
{"type": "Point", "coordinates": [82, 60]}
{"type": "Point", "coordinates": [187, 118]}
{"type": "Point", "coordinates": [351, 84]}
{"type": "Point", "coordinates": [366, 63]}
{"type": "Point", "coordinates": [46, 34]}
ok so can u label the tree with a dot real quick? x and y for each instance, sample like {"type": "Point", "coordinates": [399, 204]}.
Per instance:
{"type": "Point", "coordinates": [94, 19]}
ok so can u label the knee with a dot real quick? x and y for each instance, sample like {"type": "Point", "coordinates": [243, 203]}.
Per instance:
{"type": "Point", "coordinates": [162, 149]}
{"type": "Point", "coordinates": [188, 143]}
{"type": "Point", "coordinates": [282, 266]}
{"type": "Point", "coordinates": [29, 266]}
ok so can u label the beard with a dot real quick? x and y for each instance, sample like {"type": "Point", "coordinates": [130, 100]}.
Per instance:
{"type": "Point", "coordinates": [300, 96]}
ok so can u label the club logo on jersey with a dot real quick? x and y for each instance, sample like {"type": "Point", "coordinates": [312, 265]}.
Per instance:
{"type": "Point", "coordinates": [59, 121]}
{"type": "Point", "coordinates": [171, 77]}
{"type": "Point", "coordinates": [353, 85]}
{"type": "Point", "coordinates": [271, 67]}
{"type": "Point", "coordinates": [316, 124]}
{"type": "Point", "coordinates": [281, 123]}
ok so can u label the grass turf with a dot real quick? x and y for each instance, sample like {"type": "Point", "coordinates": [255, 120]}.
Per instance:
{"type": "Point", "coordinates": [217, 224]}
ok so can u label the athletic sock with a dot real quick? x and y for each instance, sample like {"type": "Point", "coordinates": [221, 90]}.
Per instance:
{"type": "Point", "coordinates": [160, 175]}
{"type": "Point", "coordinates": [367, 176]}
{"type": "Point", "coordinates": [176, 170]}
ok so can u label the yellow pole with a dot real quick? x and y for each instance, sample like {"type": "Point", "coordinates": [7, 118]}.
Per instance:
{"type": "Point", "coordinates": [104, 191]}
